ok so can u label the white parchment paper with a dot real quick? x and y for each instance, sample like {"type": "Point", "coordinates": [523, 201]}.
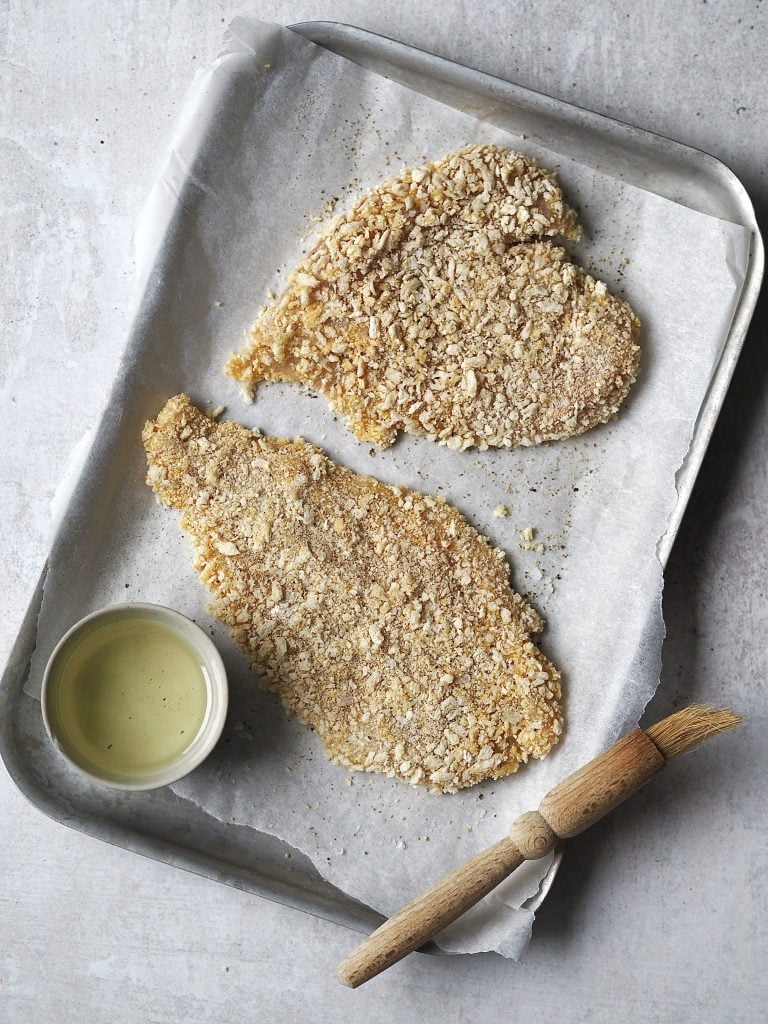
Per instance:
{"type": "Point", "coordinates": [275, 132]}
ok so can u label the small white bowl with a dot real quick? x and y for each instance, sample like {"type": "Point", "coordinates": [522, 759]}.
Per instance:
{"type": "Point", "coordinates": [210, 728]}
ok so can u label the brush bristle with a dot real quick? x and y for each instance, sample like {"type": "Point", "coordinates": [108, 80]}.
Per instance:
{"type": "Point", "coordinates": [687, 728]}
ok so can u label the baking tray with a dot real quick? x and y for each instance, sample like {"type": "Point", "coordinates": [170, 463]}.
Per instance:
{"type": "Point", "coordinates": [157, 824]}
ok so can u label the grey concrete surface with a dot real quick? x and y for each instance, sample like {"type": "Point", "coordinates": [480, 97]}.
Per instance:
{"type": "Point", "coordinates": [658, 914]}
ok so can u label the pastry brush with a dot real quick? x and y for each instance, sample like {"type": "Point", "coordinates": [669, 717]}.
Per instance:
{"type": "Point", "coordinates": [571, 807]}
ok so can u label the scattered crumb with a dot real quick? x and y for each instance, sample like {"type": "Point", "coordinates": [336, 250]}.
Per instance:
{"type": "Point", "coordinates": [501, 511]}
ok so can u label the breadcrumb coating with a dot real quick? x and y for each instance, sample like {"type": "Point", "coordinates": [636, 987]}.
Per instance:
{"type": "Point", "coordinates": [376, 614]}
{"type": "Point", "coordinates": [439, 305]}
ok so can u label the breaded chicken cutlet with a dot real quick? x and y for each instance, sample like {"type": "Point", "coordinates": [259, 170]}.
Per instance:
{"type": "Point", "coordinates": [376, 614]}
{"type": "Point", "coordinates": [438, 305]}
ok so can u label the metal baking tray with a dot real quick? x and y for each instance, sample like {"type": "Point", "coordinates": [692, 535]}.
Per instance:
{"type": "Point", "coordinates": [157, 824]}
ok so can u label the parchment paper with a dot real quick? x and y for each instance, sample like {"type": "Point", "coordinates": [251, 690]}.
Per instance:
{"type": "Point", "coordinates": [272, 132]}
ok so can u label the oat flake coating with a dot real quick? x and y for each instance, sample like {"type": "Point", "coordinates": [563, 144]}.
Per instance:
{"type": "Point", "coordinates": [378, 615]}
{"type": "Point", "coordinates": [438, 305]}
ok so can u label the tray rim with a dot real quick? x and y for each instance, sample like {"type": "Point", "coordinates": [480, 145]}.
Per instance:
{"type": "Point", "coordinates": [325, 33]}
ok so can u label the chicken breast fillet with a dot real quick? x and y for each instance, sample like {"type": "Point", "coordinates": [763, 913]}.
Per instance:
{"type": "Point", "coordinates": [438, 305]}
{"type": "Point", "coordinates": [376, 614]}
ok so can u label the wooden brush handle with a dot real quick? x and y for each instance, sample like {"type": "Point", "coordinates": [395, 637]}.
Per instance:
{"type": "Point", "coordinates": [430, 913]}
{"type": "Point", "coordinates": [573, 805]}
{"type": "Point", "coordinates": [591, 792]}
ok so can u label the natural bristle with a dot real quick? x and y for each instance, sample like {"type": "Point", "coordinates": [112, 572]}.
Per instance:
{"type": "Point", "coordinates": [687, 728]}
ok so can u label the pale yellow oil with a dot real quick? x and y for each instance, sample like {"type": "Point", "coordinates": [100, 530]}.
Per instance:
{"type": "Point", "coordinates": [127, 697]}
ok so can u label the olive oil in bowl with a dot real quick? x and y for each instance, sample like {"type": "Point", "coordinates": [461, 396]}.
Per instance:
{"type": "Point", "coordinates": [135, 696]}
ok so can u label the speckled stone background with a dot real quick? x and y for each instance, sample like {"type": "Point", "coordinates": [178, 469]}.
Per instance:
{"type": "Point", "coordinates": [658, 914]}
